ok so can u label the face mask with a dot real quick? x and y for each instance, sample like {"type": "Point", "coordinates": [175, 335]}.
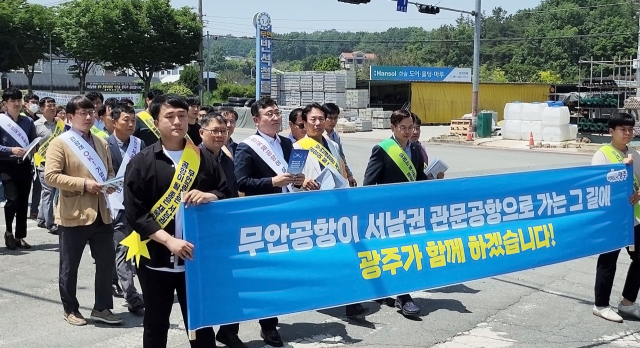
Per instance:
{"type": "Point", "coordinates": [34, 108]}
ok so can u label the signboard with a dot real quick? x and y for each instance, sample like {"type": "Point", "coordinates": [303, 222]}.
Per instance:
{"type": "Point", "coordinates": [63, 99]}
{"type": "Point", "coordinates": [264, 34]}
{"type": "Point", "coordinates": [130, 87]}
{"type": "Point", "coordinates": [287, 253]}
{"type": "Point", "coordinates": [419, 74]}
{"type": "Point", "coordinates": [402, 5]}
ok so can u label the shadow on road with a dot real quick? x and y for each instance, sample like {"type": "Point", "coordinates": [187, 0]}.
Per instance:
{"type": "Point", "coordinates": [339, 313]}
{"type": "Point", "coordinates": [310, 333]}
{"type": "Point", "coordinates": [40, 247]}
{"type": "Point", "coordinates": [455, 289]}
{"type": "Point", "coordinates": [430, 305]}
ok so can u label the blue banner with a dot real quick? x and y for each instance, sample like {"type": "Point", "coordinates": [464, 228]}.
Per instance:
{"type": "Point", "coordinates": [258, 257]}
{"type": "Point", "coordinates": [419, 74]}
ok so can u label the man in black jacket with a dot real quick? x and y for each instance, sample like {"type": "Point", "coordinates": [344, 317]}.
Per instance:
{"type": "Point", "coordinates": [397, 160]}
{"type": "Point", "coordinates": [156, 179]}
{"type": "Point", "coordinates": [261, 169]}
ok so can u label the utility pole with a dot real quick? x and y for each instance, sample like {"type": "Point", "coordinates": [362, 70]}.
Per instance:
{"type": "Point", "coordinates": [207, 65]}
{"type": "Point", "coordinates": [200, 54]}
{"type": "Point", "coordinates": [476, 67]}
{"type": "Point", "coordinates": [50, 66]}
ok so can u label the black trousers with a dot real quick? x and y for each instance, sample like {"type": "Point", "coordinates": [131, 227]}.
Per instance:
{"type": "Point", "coordinates": [36, 195]}
{"type": "Point", "coordinates": [16, 181]}
{"type": "Point", "coordinates": [158, 288]}
{"type": "Point", "coordinates": [72, 243]}
{"type": "Point", "coordinates": [606, 271]}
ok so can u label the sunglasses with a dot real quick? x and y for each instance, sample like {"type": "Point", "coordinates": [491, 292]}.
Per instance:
{"type": "Point", "coordinates": [299, 125]}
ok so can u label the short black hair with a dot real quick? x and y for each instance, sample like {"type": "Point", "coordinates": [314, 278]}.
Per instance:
{"type": "Point", "coordinates": [227, 110]}
{"type": "Point", "coordinates": [111, 102]}
{"type": "Point", "coordinates": [307, 109]}
{"type": "Point", "coordinates": [212, 116]}
{"type": "Point", "coordinates": [400, 115]}
{"type": "Point", "coordinates": [293, 115]}
{"type": "Point", "coordinates": [30, 96]}
{"type": "Point", "coordinates": [153, 93]}
{"type": "Point", "coordinates": [173, 100]}
{"type": "Point", "coordinates": [206, 108]}
{"type": "Point", "coordinates": [621, 119]}
{"type": "Point", "coordinates": [416, 120]}
{"type": "Point", "coordinates": [46, 100]}
{"type": "Point", "coordinates": [127, 101]}
{"type": "Point", "coordinates": [332, 108]}
{"type": "Point", "coordinates": [93, 96]}
{"type": "Point", "coordinates": [193, 101]}
{"type": "Point", "coordinates": [120, 109]}
{"type": "Point", "coordinates": [102, 111]}
{"type": "Point", "coordinates": [78, 102]}
{"type": "Point", "coordinates": [260, 104]}
{"type": "Point", "coordinates": [11, 93]}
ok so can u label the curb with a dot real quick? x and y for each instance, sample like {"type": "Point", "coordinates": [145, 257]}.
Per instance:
{"type": "Point", "coordinates": [584, 149]}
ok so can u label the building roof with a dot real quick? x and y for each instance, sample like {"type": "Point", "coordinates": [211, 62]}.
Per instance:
{"type": "Point", "coordinates": [351, 55]}
{"type": "Point", "coordinates": [63, 82]}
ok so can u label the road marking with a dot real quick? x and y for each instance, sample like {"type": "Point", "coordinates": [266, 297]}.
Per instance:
{"type": "Point", "coordinates": [622, 339]}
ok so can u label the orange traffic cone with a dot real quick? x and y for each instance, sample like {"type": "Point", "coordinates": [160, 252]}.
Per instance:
{"type": "Point", "coordinates": [469, 134]}
{"type": "Point", "coordinates": [531, 139]}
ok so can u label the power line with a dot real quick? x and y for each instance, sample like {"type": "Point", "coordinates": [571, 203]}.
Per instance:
{"type": "Point", "coordinates": [469, 41]}
{"type": "Point", "coordinates": [339, 20]}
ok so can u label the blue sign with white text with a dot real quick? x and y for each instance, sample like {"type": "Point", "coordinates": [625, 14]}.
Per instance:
{"type": "Point", "coordinates": [260, 257]}
{"type": "Point", "coordinates": [419, 74]}
{"type": "Point", "coordinates": [264, 36]}
{"type": "Point", "coordinates": [402, 5]}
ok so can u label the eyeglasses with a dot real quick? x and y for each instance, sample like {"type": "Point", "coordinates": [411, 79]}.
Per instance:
{"type": "Point", "coordinates": [214, 132]}
{"type": "Point", "coordinates": [86, 113]}
{"type": "Point", "coordinates": [406, 129]}
{"type": "Point", "coordinates": [272, 114]}
{"type": "Point", "coordinates": [299, 125]}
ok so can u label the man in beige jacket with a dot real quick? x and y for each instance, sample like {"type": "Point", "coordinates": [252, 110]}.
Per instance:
{"type": "Point", "coordinates": [77, 163]}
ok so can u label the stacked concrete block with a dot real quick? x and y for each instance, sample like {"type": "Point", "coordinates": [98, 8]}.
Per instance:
{"type": "Point", "coordinates": [381, 119]}
{"type": "Point", "coordinates": [357, 98]}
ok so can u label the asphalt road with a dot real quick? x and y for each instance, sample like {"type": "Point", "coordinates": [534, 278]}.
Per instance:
{"type": "Point", "coordinates": [546, 307]}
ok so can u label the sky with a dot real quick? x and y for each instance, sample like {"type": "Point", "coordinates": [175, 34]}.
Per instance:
{"type": "Point", "coordinates": [234, 17]}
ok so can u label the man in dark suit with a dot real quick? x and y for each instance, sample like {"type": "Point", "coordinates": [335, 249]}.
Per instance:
{"type": "Point", "coordinates": [123, 146]}
{"type": "Point", "coordinates": [231, 116]}
{"type": "Point", "coordinates": [261, 169]}
{"type": "Point", "coordinates": [397, 160]}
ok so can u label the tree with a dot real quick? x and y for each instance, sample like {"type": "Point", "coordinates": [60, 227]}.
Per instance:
{"type": "Point", "coordinates": [327, 64]}
{"type": "Point", "coordinates": [8, 12]}
{"type": "Point", "coordinates": [148, 36]}
{"type": "Point", "coordinates": [79, 28]}
{"type": "Point", "coordinates": [26, 32]}
{"type": "Point", "coordinates": [231, 76]}
{"type": "Point", "coordinates": [189, 78]}
{"type": "Point", "coordinates": [547, 77]}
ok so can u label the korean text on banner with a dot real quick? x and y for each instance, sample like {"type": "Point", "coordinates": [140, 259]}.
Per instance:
{"type": "Point", "coordinates": [394, 239]}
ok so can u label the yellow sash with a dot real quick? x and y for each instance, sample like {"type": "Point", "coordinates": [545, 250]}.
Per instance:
{"type": "Point", "coordinates": [614, 156]}
{"type": "Point", "coordinates": [39, 156]}
{"type": "Point", "coordinates": [98, 132]}
{"type": "Point", "coordinates": [167, 206]}
{"type": "Point", "coordinates": [146, 118]}
{"type": "Point", "coordinates": [400, 158]}
{"type": "Point", "coordinates": [318, 151]}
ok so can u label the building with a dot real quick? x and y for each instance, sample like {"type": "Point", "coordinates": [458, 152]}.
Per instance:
{"type": "Point", "coordinates": [65, 83]}
{"type": "Point", "coordinates": [351, 60]}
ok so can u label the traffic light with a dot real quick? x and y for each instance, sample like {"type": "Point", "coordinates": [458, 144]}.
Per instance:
{"type": "Point", "coordinates": [355, 2]}
{"type": "Point", "coordinates": [428, 9]}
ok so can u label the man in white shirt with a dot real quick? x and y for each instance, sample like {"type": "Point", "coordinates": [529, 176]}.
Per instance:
{"type": "Point", "coordinates": [621, 130]}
